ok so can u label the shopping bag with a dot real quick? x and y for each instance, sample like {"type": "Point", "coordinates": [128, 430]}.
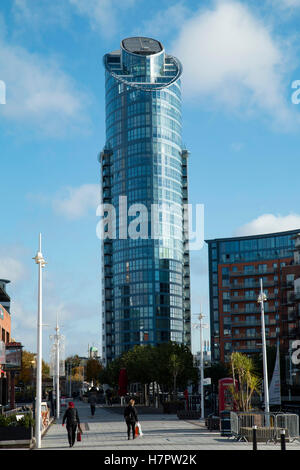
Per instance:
{"type": "Point", "coordinates": [79, 436]}
{"type": "Point", "coordinates": [138, 430]}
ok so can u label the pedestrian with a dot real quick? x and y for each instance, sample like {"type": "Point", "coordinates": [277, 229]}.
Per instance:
{"type": "Point", "coordinates": [93, 401]}
{"type": "Point", "coordinates": [72, 418]}
{"type": "Point", "coordinates": [131, 418]}
{"type": "Point", "coordinates": [51, 399]}
{"type": "Point", "coordinates": [109, 397]}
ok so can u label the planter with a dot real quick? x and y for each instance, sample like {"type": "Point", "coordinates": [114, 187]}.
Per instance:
{"type": "Point", "coordinates": [263, 434]}
{"type": "Point", "coordinates": [14, 434]}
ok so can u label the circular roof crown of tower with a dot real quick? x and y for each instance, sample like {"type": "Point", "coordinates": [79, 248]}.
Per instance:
{"type": "Point", "coordinates": [142, 46]}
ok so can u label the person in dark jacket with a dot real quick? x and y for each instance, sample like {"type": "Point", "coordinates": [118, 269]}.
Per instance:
{"type": "Point", "coordinates": [131, 418]}
{"type": "Point", "coordinates": [72, 418]}
{"type": "Point", "coordinates": [93, 401]}
{"type": "Point", "coordinates": [109, 397]}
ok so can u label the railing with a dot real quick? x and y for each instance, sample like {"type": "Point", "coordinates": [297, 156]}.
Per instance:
{"type": "Point", "coordinates": [253, 310]}
{"type": "Point", "coordinates": [269, 425]}
{"type": "Point", "coordinates": [243, 285]}
{"type": "Point", "coordinates": [290, 422]}
{"type": "Point", "coordinates": [252, 272]}
{"type": "Point", "coordinates": [20, 409]}
{"type": "Point", "coordinates": [253, 298]}
{"type": "Point", "coordinates": [246, 324]}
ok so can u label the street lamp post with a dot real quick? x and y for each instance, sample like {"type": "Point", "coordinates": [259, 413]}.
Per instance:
{"type": "Point", "coordinates": [201, 366]}
{"type": "Point", "coordinates": [57, 337]}
{"type": "Point", "coordinates": [70, 377]}
{"type": "Point", "coordinates": [261, 299]}
{"type": "Point", "coordinates": [39, 259]}
{"type": "Point", "coordinates": [56, 365]}
{"type": "Point", "coordinates": [201, 326]}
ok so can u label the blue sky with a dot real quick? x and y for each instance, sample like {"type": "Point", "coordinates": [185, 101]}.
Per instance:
{"type": "Point", "coordinates": [240, 59]}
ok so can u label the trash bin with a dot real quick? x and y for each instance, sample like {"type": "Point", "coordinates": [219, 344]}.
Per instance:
{"type": "Point", "coordinates": [225, 426]}
{"type": "Point", "coordinates": [213, 423]}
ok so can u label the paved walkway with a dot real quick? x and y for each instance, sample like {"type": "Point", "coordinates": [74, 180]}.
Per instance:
{"type": "Point", "coordinates": [108, 431]}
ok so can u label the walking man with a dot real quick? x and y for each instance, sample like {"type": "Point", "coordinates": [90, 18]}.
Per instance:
{"type": "Point", "coordinates": [72, 418]}
{"type": "Point", "coordinates": [109, 397]}
{"type": "Point", "coordinates": [93, 401]}
{"type": "Point", "coordinates": [131, 418]}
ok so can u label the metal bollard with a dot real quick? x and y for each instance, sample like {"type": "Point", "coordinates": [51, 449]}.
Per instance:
{"type": "Point", "coordinates": [282, 440]}
{"type": "Point", "coordinates": [254, 437]}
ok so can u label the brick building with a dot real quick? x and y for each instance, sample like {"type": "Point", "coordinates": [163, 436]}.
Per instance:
{"type": "Point", "coordinates": [5, 336]}
{"type": "Point", "coordinates": [5, 321]}
{"type": "Point", "coordinates": [236, 266]}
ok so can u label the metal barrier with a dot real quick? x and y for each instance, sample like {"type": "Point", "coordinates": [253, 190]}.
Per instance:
{"type": "Point", "coordinates": [194, 402]}
{"type": "Point", "coordinates": [269, 425]}
{"type": "Point", "coordinates": [287, 421]}
{"type": "Point", "coordinates": [18, 410]}
{"type": "Point", "coordinates": [234, 423]}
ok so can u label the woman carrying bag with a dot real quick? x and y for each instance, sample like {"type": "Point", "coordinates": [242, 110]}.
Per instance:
{"type": "Point", "coordinates": [131, 418]}
{"type": "Point", "coordinates": [72, 418]}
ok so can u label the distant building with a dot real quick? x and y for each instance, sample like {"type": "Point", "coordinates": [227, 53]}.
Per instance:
{"type": "Point", "coordinates": [5, 320]}
{"type": "Point", "coordinates": [5, 338]}
{"type": "Point", "coordinates": [206, 355]}
{"type": "Point", "coordinates": [4, 297]}
{"type": "Point", "coordinates": [235, 268]}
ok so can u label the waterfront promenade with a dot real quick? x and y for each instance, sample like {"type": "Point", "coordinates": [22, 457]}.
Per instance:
{"type": "Point", "coordinates": [107, 431]}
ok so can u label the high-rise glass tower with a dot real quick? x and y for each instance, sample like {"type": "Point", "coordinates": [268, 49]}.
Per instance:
{"type": "Point", "coordinates": [146, 277]}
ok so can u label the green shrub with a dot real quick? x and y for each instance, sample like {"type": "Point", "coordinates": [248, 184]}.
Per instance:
{"type": "Point", "coordinates": [26, 421]}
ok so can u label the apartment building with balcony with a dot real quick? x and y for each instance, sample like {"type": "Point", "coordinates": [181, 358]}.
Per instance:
{"type": "Point", "coordinates": [236, 266]}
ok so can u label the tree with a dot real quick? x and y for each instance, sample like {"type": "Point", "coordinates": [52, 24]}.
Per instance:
{"type": "Point", "coordinates": [166, 367]}
{"type": "Point", "coordinates": [176, 365]}
{"type": "Point", "coordinates": [168, 364]}
{"type": "Point", "coordinates": [110, 374]}
{"type": "Point", "coordinates": [29, 366]}
{"type": "Point", "coordinates": [75, 360]}
{"type": "Point", "coordinates": [140, 364]}
{"type": "Point", "coordinates": [93, 369]}
{"type": "Point", "coordinates": [243, 372]}
{"type": "Point", "coordinates": [216, 372]}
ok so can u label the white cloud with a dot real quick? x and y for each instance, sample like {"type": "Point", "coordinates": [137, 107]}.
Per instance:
{"type": "Point", "coordinates": [11, 269]}
{"type": "Point", "coordinates": [236, 146]}
{"type": "Point", "coordinates": [102, 14]}
{"type": "Point", "coordinates": [231, 57]}
{"type": "Point", "coordinates": [77, 202]}
{"type": "Point", "coordinates": [79, 325]}
{"type": "Point", "coordinates": [287, 3]}
{"type": "Point", "coordinates": [165, 21]}
{"type": "Point", "coordinates": [269, 223]}
{"type": "Point", "coordinates": [39, 92]}
{"type": "Point", "coordinates": [40, 14]}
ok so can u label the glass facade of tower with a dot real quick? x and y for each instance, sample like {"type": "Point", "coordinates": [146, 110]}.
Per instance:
{"type": "Point", "coordinates": [146, 290]}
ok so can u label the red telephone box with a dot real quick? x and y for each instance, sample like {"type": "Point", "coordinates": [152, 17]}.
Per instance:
{"type": "Point", "coordinates": [226, 401]}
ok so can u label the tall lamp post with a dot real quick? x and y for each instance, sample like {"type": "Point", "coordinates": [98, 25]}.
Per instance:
{"type": "Point", "coordinates": [39, 259]}
{"type": "Point", "coordinates": [56, 364]}
{"type": "Point", "coordinates": [57, 340]}
{"type": "Point", "coordinates": [201, 366]}
{"type": "Point", "coordinates": [201, 326]}
{"type": "Point", "coordinates": [261, 299]}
